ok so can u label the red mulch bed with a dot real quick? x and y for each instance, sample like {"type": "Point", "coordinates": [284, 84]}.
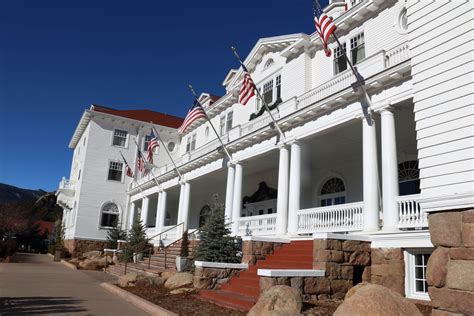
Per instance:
{"type": "Point", "coordinates": [182, 304]}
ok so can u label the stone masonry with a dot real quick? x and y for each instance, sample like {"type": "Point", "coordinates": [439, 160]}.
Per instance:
{"type": "Point", "coordinates": [388, 268]}
{"type": "Point", "coordinates": [212, 278]}
{"type": "Point", "coordinates": [257, 250]}
{"type": "Point", "coordinates": [450, 272]}
{"type": "Point", "coordinates": [76, 247]}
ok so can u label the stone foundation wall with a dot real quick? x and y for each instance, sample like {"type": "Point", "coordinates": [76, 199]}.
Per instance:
{"type": "Point", "coordinates": [346, 263]}
{"type": "Point", "coordinates": [257, 250]}
{"type": "Point", "coordinates": [388, 268]}
{"type": "Point", "coordinates": [212, 278]}
{"type": "Point", "coordinates": [450, 272]}
{"type": "Point", "coordinates": [76, 247]}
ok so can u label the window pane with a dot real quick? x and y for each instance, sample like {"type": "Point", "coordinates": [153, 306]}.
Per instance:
{"type": "Point", "coordinates": [230, 117]}
{"type": "Point", "coordinates": [145, 143]}
{"type": "Point", "coordinates": [278, 87]}
{"type": "Point", "coordinates": [339, 200]}
{"type": "Point", "coordinates": [222, 125]}
{"type": "Point", "coordinates": [419, 272]}
{"type": "Point", "coordinates": [268, 92]}
{"type": "Point", "coordinates": [340, 63]}
{"type": "Point", "coordinates": [115, 171]}
{"type": "Point", "coordinates": [120, 138]}
{"type": "Point", "coordinates": [420, 286]}
{"type": "Point", "coordinates": [108, 220]}
{"type": "Point", "coordinates": [357, 48]}
{"type": "Point", "coordinates": [418, 259]}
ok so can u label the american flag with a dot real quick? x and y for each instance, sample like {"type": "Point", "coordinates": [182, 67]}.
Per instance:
{"type": "Point", "coordinates": [141, 162]}
{"type": "Point", "coordinates": [128, 170]}
{"type": "Point", "coordinates": [152, 144]}
{"type": "Point", "coordinates": [324, 26]}
{"type": "Point", "coordinates": [247, 91]}
{"type": "Point", "coordinates": [195, 113]}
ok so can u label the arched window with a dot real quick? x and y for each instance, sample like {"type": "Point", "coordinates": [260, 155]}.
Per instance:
{"type": "Point", "coordinates": [409, 177]}
{"type": "Point", "coordinates": [333, 192]}
{"type": "Point", "coordinates": [268, 63]}
{"type": "Point", "coordinates": [109, 215]}
{"type": "Point", "coordinates": [204, 214]}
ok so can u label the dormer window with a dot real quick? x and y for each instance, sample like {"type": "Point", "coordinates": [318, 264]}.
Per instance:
{"type": "Point", "coordinates": [268, 63]}
{"type": "Point", "coordinates": [270, 91]}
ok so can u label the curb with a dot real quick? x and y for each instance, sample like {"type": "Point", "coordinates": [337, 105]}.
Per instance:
{"type": "Point", "coordinates": [139, 302]}
{"type": "Point", "coordinates": [69, 265]}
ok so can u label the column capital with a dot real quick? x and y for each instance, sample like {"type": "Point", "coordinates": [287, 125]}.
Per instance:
{"type": "Point", "coordinates": [233, 162]}
{"type": "Point", "coordinates": [386, 110]}
{"type": "Point", "coordinates": [282, 145]}
{"type": "Point", "coordinates": [294, 142]}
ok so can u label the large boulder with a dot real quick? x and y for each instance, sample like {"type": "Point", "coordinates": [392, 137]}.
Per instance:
{"type": "Point", "coordinates": [89, 264]}
{"type": "Point", "coordinates": [92, 254]}
{"type": "Point", "coordinates": [178, 280]}
{"type": "Point", "coordinates": [371, 299]}
{"type": "Point", "coordinates": [278, 300]}
{"type": "Point", "coordinates": [167, 274]}
{"type": "Point", "coordinates": [127, 279]}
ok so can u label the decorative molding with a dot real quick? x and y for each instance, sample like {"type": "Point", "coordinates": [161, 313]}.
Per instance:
{"type": "Point", "coordinates": [290, 273]}
{"type": "Point", "coordinates": [221, 265]}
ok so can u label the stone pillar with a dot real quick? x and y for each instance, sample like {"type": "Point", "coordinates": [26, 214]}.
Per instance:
{"type": "Point", "coordinates": [186, 200]}
{"type": "Point", "coordinates": [389, 171]}
{"type": "Point", "coordinates": [229, 193]}
{"type": "Point", "coordinates": [237, 199]}
{"type": "Point", "coordinates": [144, 213]}
{"type": "Point", "coordinates": [158, 213]}
{"type": "Point", "coordinates": [295, 188]}
{"type": "Point", "coordinates": [283, 183]}
{"type": "Point", "coordinates": [370, 176]}
{"type": "Point", "coordinates": [450, 271]}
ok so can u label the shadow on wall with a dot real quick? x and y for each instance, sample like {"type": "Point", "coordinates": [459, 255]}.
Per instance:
{"type": "Point", "coordinates": [39, 305]}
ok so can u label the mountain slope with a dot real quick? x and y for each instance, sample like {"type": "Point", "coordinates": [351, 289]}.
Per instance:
{"type": "Point", "coordinates": [12, 194]}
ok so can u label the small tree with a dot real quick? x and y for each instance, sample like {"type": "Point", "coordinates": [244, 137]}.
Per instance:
{"type": "Point", "coordinates": [137, 240]}
{"type": "Point", "coordinates": [216, 244]}
{"type": "Point", "coordinates": [114, 235]}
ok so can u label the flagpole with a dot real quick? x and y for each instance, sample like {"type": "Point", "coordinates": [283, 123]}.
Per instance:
{"type": "Point", "coordinates": [234, 50]}
{"type": "Point", "coordinates": [166, 149]}
{"type": "Point", "coordinates": [145, 162]}
{"type": "Point", "coordinates": [368, 114]}
{"type": "Point", "coordinates": [210, 123]}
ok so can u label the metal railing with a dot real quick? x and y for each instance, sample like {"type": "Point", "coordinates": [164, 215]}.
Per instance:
{"type": "Point", "coordinates": [334, 218]}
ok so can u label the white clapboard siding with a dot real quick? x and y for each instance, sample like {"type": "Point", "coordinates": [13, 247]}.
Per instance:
{"type": "Point", "coordinates": [441, 43]}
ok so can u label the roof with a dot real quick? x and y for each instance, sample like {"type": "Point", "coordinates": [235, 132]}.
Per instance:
{"type": "Point", "coordinates": [142, 115]}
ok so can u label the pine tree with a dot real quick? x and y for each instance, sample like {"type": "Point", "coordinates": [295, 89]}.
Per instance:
{"type": "Point", "coordinates": [137, 240]}
{"type": "Point", "coordinates": [114, 234]}
{"type": "Point", "coordinates": [216, 244]}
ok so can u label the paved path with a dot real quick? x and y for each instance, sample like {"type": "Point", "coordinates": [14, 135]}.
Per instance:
{"type": "Point", "coordinates": [35, 285]}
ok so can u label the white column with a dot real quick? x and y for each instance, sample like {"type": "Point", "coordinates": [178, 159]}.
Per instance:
{"type": "Point", "coordinates": [180, 209]}
{"type": "Point", "coordinates": [144, 213]}
{"type": "Point", "coordinates": [164, 196]}
{"type": "Point", "coordinates": [158, 213]}
{"type": "Point", "coordinates": [283, 184]}
{"type": "Point", "coordinates": [229, 193]}
{"type": "Point", "coordinates": [295, 188]}
{"type": "Point", "coordinates": [131, 214]}
{"type": "Point", "coordinates": [370, 176]}
{"type": "Point", "coordinates": [185, 212]}
{"type": "Point", "coordinates": [237, 199]}
{"type": "Point", "coordinates": [389, 171]}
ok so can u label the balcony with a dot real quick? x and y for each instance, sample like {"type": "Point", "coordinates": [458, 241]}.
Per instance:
{"type": "Point", "coordinates": [65, 193]}
{"type": "Point", "coordinates": [261, 225]}
{"type": "Point", "coordinates": [410, 214]}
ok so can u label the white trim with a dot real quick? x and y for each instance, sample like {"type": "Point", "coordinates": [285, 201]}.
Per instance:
{"type": "Point", "coordinates": [409, 256]}
{"type": "Point", "coordinates": [100, 227]}
{"type": "Point", "coordinates": [126, 138]}
{"type": "Point", "coordinates": [342, 236]}
{"type": "Point", "coordinates": [221, 265]}
{"type": "Point", "coordinates": [446, 203]}
{"type": "Point", "coordinates": [291, 273]}
{"type": "Point", "coordinates": [280, 240]}
{"type": "Point", "coordinates": [402, 239]}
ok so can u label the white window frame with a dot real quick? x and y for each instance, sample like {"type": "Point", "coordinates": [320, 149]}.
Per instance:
{"type": "Point", "coordinates": [108, 169]}
{"type": "Point", "coordinates": [102, 211]}
{"type": "Point", "coordinates": [145, 142]}
{"type": "Point", "coordinates": [229, 123]}
{"type": "Point", "coordinates": [113, 137]}
{"type": "Point", "coordinates": [337, 52]}
{"type": "Point", "coordinates": [275, 80]}
{"type": "Point", "coordinates": [410, 281]}
{"type": "Point", "coordinates": [193, 141]}
{"type": "Point", "coordinates": [222, 120]}
{"type": "Point", "coordinates": [359, 40]}
{"type": "Point", "coordinates": [188, 144]}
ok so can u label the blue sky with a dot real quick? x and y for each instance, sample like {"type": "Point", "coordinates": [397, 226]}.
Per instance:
{"type": "Point", "coordinates": [58, 57]}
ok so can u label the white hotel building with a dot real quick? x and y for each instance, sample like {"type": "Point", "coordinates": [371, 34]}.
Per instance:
{"type": "Point", "coordinates": [336, 169]}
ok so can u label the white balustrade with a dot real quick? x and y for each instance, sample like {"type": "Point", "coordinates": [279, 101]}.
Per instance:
{"type": "Point", "coordinates": [397, 55]}
{"type": "Point", "coordinates": [410, 213]}
{"type": "Point", "coordinates": [335, 218]}
{"type": "Point", "coordinates": [257, 225]}
{"type": "Point", "coordinates": [66, 184]}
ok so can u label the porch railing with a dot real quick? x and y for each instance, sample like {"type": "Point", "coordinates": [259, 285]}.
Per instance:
{"type": "Point", "coordinates": [335, 218]}
{"type": "Point", "coordinates": [410, 213]}
{"type": "Point", "coordinates": [257, 225]}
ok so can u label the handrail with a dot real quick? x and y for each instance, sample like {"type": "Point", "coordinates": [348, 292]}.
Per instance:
{"type": "Point", "coordinates": [167, 230]}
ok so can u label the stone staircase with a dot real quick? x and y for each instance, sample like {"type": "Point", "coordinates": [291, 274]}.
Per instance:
{"type": "Point", "coordinates": [242, 291]}
{"type": "Point", "coordinates": [161, 260]}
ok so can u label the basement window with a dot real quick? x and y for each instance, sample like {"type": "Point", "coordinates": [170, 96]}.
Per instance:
{"type": "Point", "coordinates": [416, 262]}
